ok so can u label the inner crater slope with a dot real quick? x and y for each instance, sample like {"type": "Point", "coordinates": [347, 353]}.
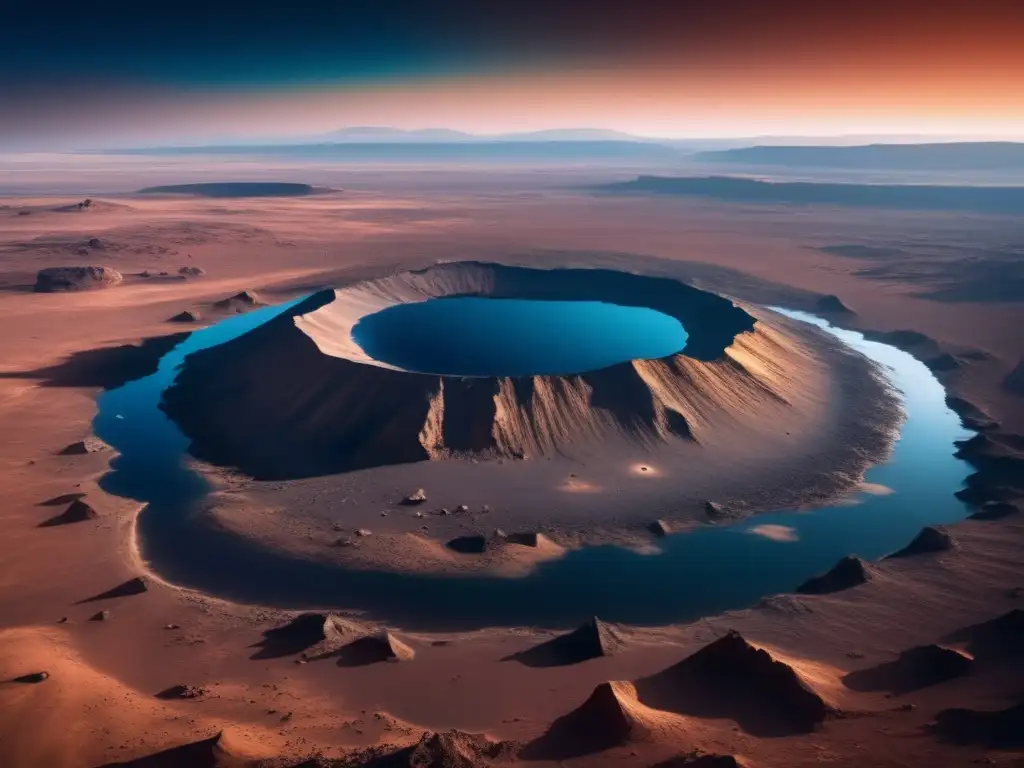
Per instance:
{"type": "Point", "coordinates": [298, 397]}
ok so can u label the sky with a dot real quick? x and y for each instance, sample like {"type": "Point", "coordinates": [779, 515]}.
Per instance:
{"type": "Point", "coordinates": [112, 73]}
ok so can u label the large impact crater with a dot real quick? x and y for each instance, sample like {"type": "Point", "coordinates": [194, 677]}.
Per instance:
{"type": "Point", "coordinates": [299, 397]}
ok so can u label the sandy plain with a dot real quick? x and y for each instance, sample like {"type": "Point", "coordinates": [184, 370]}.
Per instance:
{"type": "Point", "coordinates": [99, 704]}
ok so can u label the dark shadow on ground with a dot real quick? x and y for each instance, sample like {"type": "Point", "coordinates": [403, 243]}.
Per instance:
{"type": "Point", "coordinates": [106, 367]}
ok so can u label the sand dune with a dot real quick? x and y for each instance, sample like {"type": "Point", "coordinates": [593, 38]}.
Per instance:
{"type": "Point", "coordinates": [849, 572]}
{"type": "Point", "coordinates": [915, 668]}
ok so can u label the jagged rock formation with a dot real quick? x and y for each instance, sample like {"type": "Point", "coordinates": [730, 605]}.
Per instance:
{"type": "Point", "coordinates": [58, 279]}
{"type": "Point", "coordinates": [848, 572]}
{"type": "Point", "coordinates": [930, 539]}
{"type": "Point", "coordinates": [732, 678]}
{"type": "Point", "coordinates": [242, 299]}
{"type": "Point", "coordinates": [314, 403]}
{"type": "Point", "coordinates": [185, 316]}
{"type": "Point", "coordinates": [77, 512]}
{"type": "Point", "coordinates": [82, 447]}
{"type": "Point", "coordinates": [591, 640]}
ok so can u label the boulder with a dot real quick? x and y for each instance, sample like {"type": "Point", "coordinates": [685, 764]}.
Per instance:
{"type": "Point", "coordinates": [58, 279]}
{"type": "Point", "coordinates": [186, 316]}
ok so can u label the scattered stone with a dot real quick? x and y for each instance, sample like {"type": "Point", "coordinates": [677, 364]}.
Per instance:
{"type": "Point", "coordinates": [62, 620]}
{"type": "Point", "coordinates": [185, 316]}
{"type": "Point", "coordinates": [383, 513]}
{"type": "Point", "coordinates": [485, 509]}
{"type": "Point", "coordinates": [416, 497]}
{"type": "Point", "coordinates": [419, 514]}
{"type": "Point", "coordinates": [363, 532]}
{"type": "Point", "coordinates": [930, 539]}
{"type": "Point", "coordinates": [714, 510]}
{"type": "Point", "coordinates": [103, 615]}
{"type": "Point", "coordinates": [462, 508]}
{"type": "Point", "coordinates": [33, 677]}
{"type": "Point", "coordinates": [245, 298]}
{"type": "Point", "coordinates": [59, 279]}
{"type": "Point", "coordinates": [848, 572]}
{"type": "Point", "coordinates": [443, 511]}
{"type": "Point", "coordinates": [192, 271]}
{"type": "Point", "coordinates": [94, 242]}
{"type": "Point", "coordinates": [172, 626]}
{"type": "Point", "coordinates": [183, 692]}
{"type": "Point", "coordinates": [82, 447]}
{"type": "Point", "coordinates": [832, 303]}
{"type": "Point", "coordinates": [659, 528]}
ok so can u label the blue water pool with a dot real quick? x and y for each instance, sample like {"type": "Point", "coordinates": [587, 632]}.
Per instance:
{"type": "Point", "coordinates": [471, 336]}
{"type": "Point", "coordinates": [708, 570]}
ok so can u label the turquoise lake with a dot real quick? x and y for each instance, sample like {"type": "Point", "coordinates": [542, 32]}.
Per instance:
{"type": "Point", "coordinates": [470, 336]}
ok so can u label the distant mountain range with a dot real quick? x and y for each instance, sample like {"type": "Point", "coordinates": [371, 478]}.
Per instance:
{"type": "Point", "coordinates": [386, 135]}
{"type": "Point", "coordinates": [958, 156]}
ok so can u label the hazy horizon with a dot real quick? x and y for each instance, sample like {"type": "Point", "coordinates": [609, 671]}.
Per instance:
{"type": "Point", "coordinates": [123, 74]}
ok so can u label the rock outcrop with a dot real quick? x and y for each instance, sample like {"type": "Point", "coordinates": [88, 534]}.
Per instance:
{"type": "Point", "coordinates": [849, 572]}
{"type": "Point", "coordinates": [59, 279]}
{"type": "Point", "coordinates": [930, 539]}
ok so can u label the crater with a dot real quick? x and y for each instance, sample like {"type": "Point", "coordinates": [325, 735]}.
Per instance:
{"type": "Point", "coordinates": [766, 413]}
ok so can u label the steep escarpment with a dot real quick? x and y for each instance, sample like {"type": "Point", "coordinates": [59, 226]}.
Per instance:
{"type": "Point", "coordinates": [298, 397]}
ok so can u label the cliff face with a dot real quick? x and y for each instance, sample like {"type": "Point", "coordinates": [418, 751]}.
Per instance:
{"type": "Point", "coordinates": [298, 397]}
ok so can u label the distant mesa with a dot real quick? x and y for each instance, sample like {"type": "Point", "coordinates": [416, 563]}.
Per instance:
{"type": "Point", "coordinates": [236, 189]}
{"type": "Point", "coordinates": [916, 668]}
{"type": "Point", "coordinates": [77, 512]}
{"type": "Point", "coordinates": [732, 678]}
{"type": "Point", "coordinates": [903, 339]}
{"type": "Point", "coordinates": [952, 156]}
{"type": "Point", "coordinates": [999, 200]}
{"type": "Point", "coordinates": [930, 539]}
{"type": "Point", "coordinates": [63, 279]}
{"type": "Point", "coordinates": [591, 640]}
{"type": "Point", "coordinates": [192, 271]}
{"type": "Point", "coordinates": [849, 572]}
{"type": "Point", "coordinates": [832, 304]}
{"type": "Point", "coordinates": [186, 316]}
{"type": "Point", "coordinates": [82, 447]}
